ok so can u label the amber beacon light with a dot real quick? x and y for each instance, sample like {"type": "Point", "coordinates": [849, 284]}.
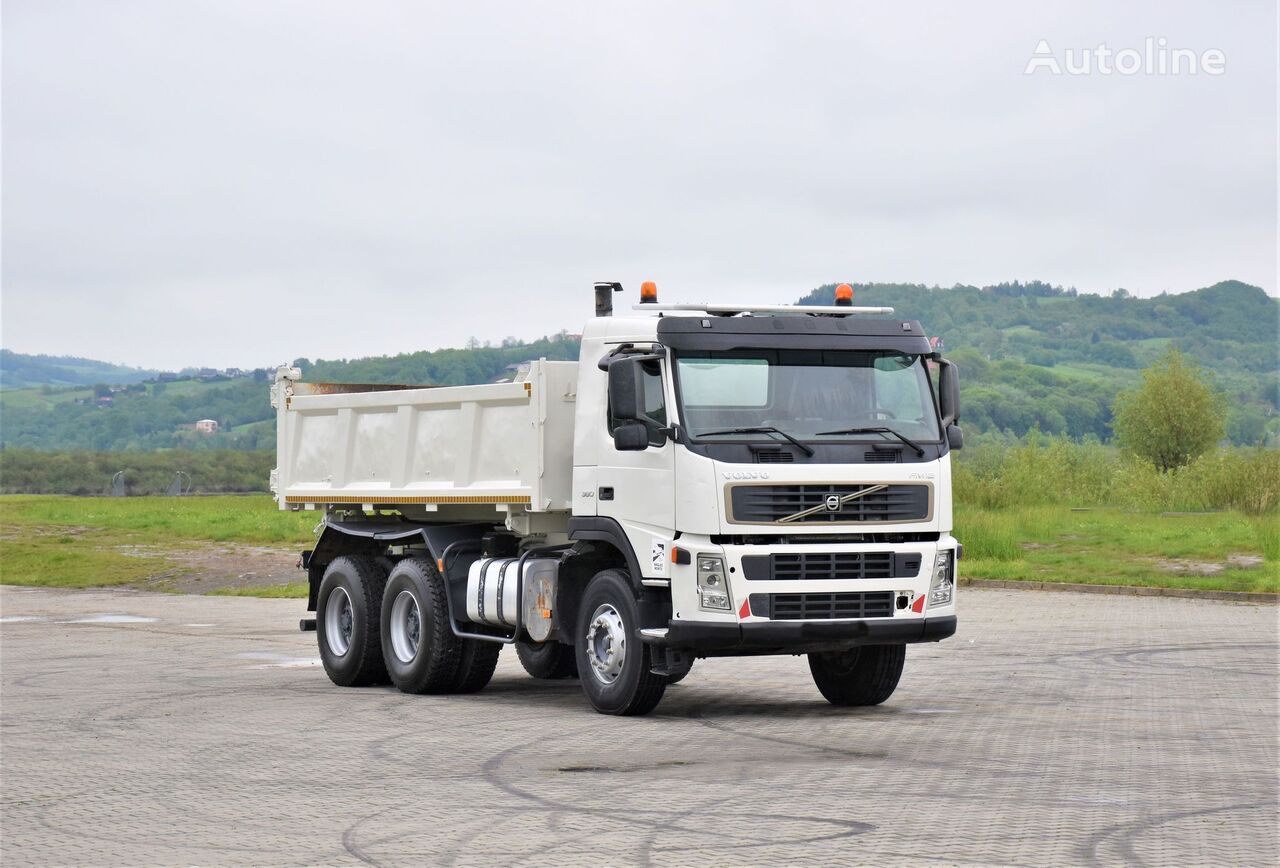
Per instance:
{"type": "Point", "coordinates": [648, 292]}
{"type": "Point", "coordinates": [844, 295]}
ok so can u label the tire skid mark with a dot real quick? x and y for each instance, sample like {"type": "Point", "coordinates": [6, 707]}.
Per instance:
{"type": "Point", "coordinates": [1132, 655]}
{"type": "Point", "coordinates": [1124, 833]}
{"type": "Point", "coordinates": [349, 844]}
{"type": "Point", "coordinates": [695, 714]}
{"type": "Point", "coordinates": [671, 819]}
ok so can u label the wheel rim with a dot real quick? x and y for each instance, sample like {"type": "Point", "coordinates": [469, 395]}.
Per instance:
{"type": "Point", "coordinates": [606, 644]}
{"type": "Point", "coordinates": [339, 621]}
{"type": "Point", "coordinates": [406, 627]}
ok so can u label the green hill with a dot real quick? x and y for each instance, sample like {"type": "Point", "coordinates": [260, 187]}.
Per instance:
{"type": "Point", "coordinates": [1032, 356]}
{"type": "Point", "coordinates": [19, 371]}
{"type": "Point", "coordinates": [1035, 355]}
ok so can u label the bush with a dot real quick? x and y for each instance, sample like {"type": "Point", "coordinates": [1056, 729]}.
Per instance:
{"type": "Point", "coordinates": [1059, 471]}
{"type": "Point", "coordinates": [30, 471]}
{"type": "Point", "coordinates": [1173, 417]}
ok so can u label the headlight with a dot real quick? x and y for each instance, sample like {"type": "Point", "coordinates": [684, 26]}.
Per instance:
{"type": "Point", "coordinates": [943, 584]}
{"type": "Point", "coordinates": [713, 589]}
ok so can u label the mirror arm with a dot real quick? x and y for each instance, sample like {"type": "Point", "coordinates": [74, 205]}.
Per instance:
{"type": "Point", "coordinates": [652, 353]}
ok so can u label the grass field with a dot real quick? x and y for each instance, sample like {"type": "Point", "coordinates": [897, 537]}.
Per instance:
{"type": "Point", "coordinates": [1222, 551]}
{"type": "Point", "coordinates": [93, 542]}
{"type": "Point", "coordinates": [83, 542]}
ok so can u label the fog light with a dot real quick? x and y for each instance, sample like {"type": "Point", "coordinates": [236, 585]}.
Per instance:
{"type": "Point", "coordinates": [943, 584]}
{"type": "Point", "coordinates": [713, 591]}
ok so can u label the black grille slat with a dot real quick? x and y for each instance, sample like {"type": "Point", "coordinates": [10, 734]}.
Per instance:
{"type": "Point", "coordinates": [880, 456]}
{"type": "Point", "coordinates": [843, 565]}
{"type": "Point", "coordinates": [826, 566]}
{"type": "Point", "coordinates": [771, 503]}
{"type": "Point", "coordinates": [827, 607]}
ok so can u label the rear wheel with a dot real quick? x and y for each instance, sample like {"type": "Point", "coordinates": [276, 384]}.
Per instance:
{"type": "Point", "coordinates": [549, 660]}
{"type": "Point", "coordinates": [866, 675]}
{"type": "Point", "coordinates": [475, 665]}
{"type": "Point", "coordinates": [613, 666]}
{"type": "Point", "coordinates": [421, 652]}
{"type": "Point", "coordinates": [348, 627]}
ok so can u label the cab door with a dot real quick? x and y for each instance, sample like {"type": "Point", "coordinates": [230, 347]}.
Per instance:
{"type": "Point", "coordinates": [636, 487]}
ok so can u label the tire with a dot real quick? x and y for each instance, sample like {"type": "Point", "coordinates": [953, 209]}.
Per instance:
{"type": "Point", "coordinates": [421, 652]}
{"type": "Point", "coordinates": [548, 660]}
{"type": "Point", "coordinates": [348, 621]}
{"type": "Point", "coordinates": [677, 677]}
{"type": "Point", "coordinates": [866, 675]}
{"type": "Point", "coordinates": [607, 622]}
{"type": "Point", "coordinates": [475, 665]}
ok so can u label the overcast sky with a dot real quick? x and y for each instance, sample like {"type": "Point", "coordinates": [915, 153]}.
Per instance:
{"type": "Point", "coordinates": [240, 183]}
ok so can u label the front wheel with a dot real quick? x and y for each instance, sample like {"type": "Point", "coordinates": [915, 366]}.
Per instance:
{"type": "Point", "coordinates": [613, 665]}
{"type": "Point", "coordinates": [866, 675]}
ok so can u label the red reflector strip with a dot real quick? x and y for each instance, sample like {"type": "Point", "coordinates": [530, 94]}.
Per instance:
{"type": "Point", "coordinates": [918, 605]}
{"type": "Point", "coordinates": [745, 611]}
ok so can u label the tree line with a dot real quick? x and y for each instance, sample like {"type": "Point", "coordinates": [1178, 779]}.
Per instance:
{"type": "Point", "coordinates": [1033, 357]}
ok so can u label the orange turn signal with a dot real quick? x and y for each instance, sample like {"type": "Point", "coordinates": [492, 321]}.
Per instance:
{"type": "Point", "coordinates": [844, 294]}
{"type": "Point", "coordinates": [648, 292]}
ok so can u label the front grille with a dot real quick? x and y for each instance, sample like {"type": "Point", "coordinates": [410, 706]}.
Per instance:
{"type": "Point", "coordinates": [823, 607]}
{"type": "Point", "coordinates": [770, 504]}
{"type": "Point", "coordinates": [815, 566]}
{"type": "Point", "coordinates": [881, 456]}
{"type": "Point", "coordinates": [773, 456]}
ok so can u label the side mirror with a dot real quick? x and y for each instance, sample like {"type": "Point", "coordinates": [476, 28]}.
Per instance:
{"type": "Point", "coordinates": [626, 399]}
{"type": "Point", "coordinates": [955, 437]}
{"type": "Point", "coordinates": [633, 437]}
{"type": "Point", "coordinates": [949, 393]}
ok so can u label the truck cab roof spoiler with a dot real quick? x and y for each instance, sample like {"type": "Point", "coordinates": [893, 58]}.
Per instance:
{"type": "Point", "coordinates": [735, 309]}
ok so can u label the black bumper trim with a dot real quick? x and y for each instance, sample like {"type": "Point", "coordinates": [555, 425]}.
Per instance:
{"type": "Point", "coordinates": [708, 636]}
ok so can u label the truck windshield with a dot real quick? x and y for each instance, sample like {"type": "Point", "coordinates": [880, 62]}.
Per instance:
{"type": "Point", "coordinates": [805, 392]}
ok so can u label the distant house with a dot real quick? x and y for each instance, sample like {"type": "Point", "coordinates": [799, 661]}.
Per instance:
{"type": "Point", "coordinates": [104, 401]}
{"type": "Point", "coordinates": [207, 426]}
{"type": "Point", "coordinates": [511, 372]}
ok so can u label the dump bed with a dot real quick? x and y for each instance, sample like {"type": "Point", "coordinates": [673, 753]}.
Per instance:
{"type": "Point", "coordinates": [446, 450]}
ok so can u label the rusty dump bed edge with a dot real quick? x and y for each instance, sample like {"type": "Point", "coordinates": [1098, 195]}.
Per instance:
{"type": "Point", "coordinates": [347, 388]}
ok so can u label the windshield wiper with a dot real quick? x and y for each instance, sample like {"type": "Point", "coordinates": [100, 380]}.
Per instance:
{"type": "Point", "coordinates": [764, 429]}
{"type": "Point", "coordinates": [880, 430]}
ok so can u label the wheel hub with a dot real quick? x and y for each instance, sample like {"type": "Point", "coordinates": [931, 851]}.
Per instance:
{"type": "Point", "coordinates": [339, 621]}
{"type": "Point", "coordinates": [606, 644]}
{"type": "Point", "coordinates": [406, 627]}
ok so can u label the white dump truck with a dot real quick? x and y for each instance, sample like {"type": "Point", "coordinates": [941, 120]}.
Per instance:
{"type": "Point", "coordinates": [707, 480]}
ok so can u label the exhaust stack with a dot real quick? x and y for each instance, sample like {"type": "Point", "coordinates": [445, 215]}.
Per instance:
{"type": "Point", "coordinates": [604, 296]}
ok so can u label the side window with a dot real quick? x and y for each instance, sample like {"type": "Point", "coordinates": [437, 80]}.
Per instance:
{"type": "Point", "coordinates": [655, 404]}
{"type": "Point", "coordinates": [897, 389]}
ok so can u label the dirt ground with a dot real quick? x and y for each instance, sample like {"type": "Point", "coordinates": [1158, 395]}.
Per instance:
{"type": "Point", "coordinates": [218, 566]}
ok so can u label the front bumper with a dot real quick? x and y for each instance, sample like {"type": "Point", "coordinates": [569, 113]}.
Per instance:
{"type": "Point", "coordinates": [798, 636]}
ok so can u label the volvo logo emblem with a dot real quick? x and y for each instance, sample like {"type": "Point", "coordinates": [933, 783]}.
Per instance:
{"type": "Point", "coordinates": [833, 503]}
